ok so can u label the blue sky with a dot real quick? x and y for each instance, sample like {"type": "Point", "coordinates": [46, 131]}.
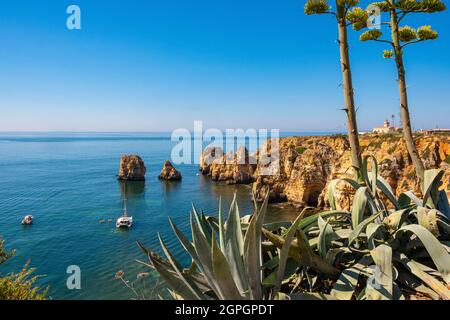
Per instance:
{"type": "Point", "coordinates": [154, 65]}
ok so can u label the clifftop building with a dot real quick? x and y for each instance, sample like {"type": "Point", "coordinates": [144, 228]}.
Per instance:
{"type": "Point", "coordinates": [386, 128]}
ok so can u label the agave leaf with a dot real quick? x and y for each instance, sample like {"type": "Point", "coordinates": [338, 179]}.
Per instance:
{"type": "Point", "coordinates": [203, 253]}
{"type": "Point", "coordinates": [444, 227]}
{"type": "Point", "coordinates": [331, 191]}
{"type": "Point", "coordinates": [370, 176]}
{"type": "Point", "coordinates": [187, 245]}
{"type": "Point", "coordinates": [386, 189]}
{"type": "Point", "coordinates": [357, 231]}
{"type": "Point", "coordinates": [407, 279]}
{"type": "Point", "coordinates": [346, 284]}
{"type": "Point", "coordinates": [359, 206]}
{"type": "Point", "coordinates": [397, 293]}
{"type": "Point", "coordinates": [429, 280]}
{"type": "Point", "coordinates": [336, 235]}
{"type": "Point", "coordinates": [221, 227]}
{"type": "Point", "coordinates": [436, 251]}
{"type": "Point", "coordinates": [432, 182]}
{"type": "Point", "coordinates": [222, 274]}
{"type": "Point", "coordinates": [301, 252]}
{"type": "Point", "coordinates": [252, 252]}
{"type": "Point", "coordinates": [379, 286]}
{"type": "Point", "coordinates": [429, 219]}
{"type": "Point", "coordinates": [173, 280]}
{"type": "Point", "coordinates": [178, 269]}
{"type": "Point", "coordinates": [272, 263]}
{"type": "Point", "coordinates": [395, 220]}
{"type": "Point", "coordinates": [234, 246]}
{"type": "Point", "coordinates": [284, 252]}
{"type": "Point", "coordinates": [311, 296]}
{"type": "Point", "coordinates": [311, 221]}
{"type": "Point", "coordinates": [233, 231]}
{"type": "Point", "coordinates": [443, 204]}
{"type": "Point", "coordinates": [372, 230]}
{"type": "Point", "coordinates": [325, 235]}
{"type": "Point", "coordinates": [406, 198]}
{"type": "Point", "coordinates": [202, 224]}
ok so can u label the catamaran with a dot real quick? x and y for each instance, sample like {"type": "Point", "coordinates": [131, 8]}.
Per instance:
{"type": "Point", "coordinates": [124, 221]}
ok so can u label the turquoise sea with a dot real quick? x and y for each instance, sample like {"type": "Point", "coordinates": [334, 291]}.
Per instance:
{"type": "Point", "coordinates": [67, 181]}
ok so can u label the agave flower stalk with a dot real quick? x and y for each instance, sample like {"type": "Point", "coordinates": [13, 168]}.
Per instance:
{"type": "Point", "coordinates": [400, 37]}
{"type": "Point", "coordinates": [342, 8]}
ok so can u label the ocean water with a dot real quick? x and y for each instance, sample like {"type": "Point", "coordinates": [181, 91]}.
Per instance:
{"type": "Point", "coordinates": [68, 183]}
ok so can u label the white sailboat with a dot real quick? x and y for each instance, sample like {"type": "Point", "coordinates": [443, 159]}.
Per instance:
{"type": "Point", "coordinates": [124, 221]}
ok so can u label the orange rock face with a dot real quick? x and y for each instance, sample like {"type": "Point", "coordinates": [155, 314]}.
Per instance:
{"type": "Point", "coordinates": [169, 173]}
{"type": "Point", "coordinates": [308, 164]}
{"type": "Point", "coordinates": [132, 168]}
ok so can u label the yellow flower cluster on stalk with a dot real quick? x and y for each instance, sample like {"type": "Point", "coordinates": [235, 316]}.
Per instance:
{"type": "Point", "coordinates": [317, 7]}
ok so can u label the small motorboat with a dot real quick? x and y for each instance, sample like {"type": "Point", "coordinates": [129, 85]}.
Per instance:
{"type": "Point", "coordinates": [27, 220]}
{"type": "Point", "coordinates": [124, 221]}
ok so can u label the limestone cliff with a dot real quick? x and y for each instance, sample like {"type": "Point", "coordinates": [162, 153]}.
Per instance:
{"type": "Point", "coordinates": [132, 168]}
{"type": "Point", "coordinates": [308, 164]}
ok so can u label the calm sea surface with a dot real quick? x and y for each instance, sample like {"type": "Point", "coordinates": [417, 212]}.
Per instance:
{"type": "Point", "coordinates": [67, 182]}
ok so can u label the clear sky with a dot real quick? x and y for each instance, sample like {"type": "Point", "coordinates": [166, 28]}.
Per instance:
{"type": "Point", "coordinates": [156, 65]}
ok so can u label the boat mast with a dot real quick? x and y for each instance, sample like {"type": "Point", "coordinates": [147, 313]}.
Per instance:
{"type": "Point", "coordinates": [125, 213]}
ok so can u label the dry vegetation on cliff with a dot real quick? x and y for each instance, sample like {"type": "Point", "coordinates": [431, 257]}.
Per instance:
{"type": "Point", "coordinates": [308, 164]}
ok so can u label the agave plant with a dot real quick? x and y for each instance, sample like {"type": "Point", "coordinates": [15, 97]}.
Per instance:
{"type": "Point", "coordinates": [226, 257]}
{"type": "Point", "coordinates": [375, 251]}
{"type": "Point", "coordinates": [382, 251]}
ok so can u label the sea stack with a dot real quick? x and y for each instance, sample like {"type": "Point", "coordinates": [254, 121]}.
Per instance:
{"type": "Point", "coordinates": [169, 173]}
{"type": "Point", "coordinates": [132, 168]}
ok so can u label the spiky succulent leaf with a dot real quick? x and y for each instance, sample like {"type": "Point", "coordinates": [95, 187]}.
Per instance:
{"type": "Point", "coordinates": [359, 206]}
{"type": "Point", "coordinates": [426, 33]}
{"type": "Point", "coordinates": [432, 183]}
{"type": "Point", "coordinates": [252, 251]}
{"type": "Point", "coordinates": [380, 284]}
{"type": "Point", "coordinates": [223, 274]}
{"type": "Point", "coordinates": [413, 267]}
{"type": "Point", "coordinates": [316, 7]}
{"type": "Point", "coordinates": [360, 228]}
{"type": "Point", "coordinates": [371, 35]}
{"type": "Point", "coordinates": [284, 252]}
{"type": "Point", "coordinates": [407, 34]}
{"type": "Point", "coordinates": [325, 237]}
{"type": "Point", "coordinates": [346, 284]}
{"type": "Point", "coordinates": [332, 189]}
{"type": "Point", "coordinates": [434, 248]}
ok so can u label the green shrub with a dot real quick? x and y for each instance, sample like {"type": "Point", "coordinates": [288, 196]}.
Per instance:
{"type": "Point", "coordinates": [19, 286]}
{"type": "Point", "coordinates": [300, 150]}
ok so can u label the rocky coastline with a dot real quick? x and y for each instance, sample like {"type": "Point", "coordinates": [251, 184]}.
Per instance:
{"type": "Point", "coordinates": [308, 164]}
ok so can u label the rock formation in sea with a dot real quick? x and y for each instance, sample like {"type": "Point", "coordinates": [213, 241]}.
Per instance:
{"type": "Point", "coordinates": [238, 168]}
{"type": "Point", "coordinates": [169, 173]}
{"type": "Point", "coordinates": [308, 164]}
{"type": "Point", "coordinates": [132, 168]}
